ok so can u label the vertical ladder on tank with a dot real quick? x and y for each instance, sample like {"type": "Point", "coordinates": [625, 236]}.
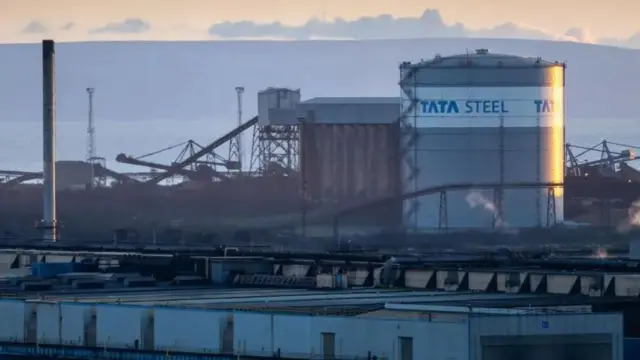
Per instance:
{"type": "Point", "coordinates": [538, 177]}
{"type": "Point", "coordinates": [443, 216]}
{"type": "Point", "coordinates": [551, 207]}
{"type": "Point", "coordinates": [498, 194]}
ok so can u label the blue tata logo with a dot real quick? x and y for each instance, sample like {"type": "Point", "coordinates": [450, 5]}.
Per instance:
{"type": "Point", "coordinates": [466, 107]}
{"type": "Point", "coordinates": [544, 106]}
{"type": "Point", "coordinates": [479, 107]}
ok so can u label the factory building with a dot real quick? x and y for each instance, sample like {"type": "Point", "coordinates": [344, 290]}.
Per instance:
{"type": "Point", "coordinates": [351, 146]}
{"type": "Point", "coordinates": [294, 324]}
{"type": "Point", "coordinates": [483, 118]}
{"type": "Point", "coordinates": [484, 131]}
{"type": "Point", "coordinates": [348, 148]}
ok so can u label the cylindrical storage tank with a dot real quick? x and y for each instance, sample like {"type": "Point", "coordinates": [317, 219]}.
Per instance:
{"type": "Point", "coordinates": [485, 120]}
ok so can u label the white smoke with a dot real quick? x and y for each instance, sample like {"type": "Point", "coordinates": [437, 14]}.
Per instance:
{"type": "Point", "coordinates": [600, 253]}
{"type": "Point", "coordinates": [633, 218]}
{"type": "Point", "coordinates": [476, 199]}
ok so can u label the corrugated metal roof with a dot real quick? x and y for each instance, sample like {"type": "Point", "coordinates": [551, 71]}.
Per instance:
{"type": "Point", "coordinates": [350, 111]}
{"type": "Point", "coordinates": [354, 101]}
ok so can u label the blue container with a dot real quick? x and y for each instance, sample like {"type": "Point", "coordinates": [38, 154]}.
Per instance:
{"type": "Point", "coordinates": [50, 270]}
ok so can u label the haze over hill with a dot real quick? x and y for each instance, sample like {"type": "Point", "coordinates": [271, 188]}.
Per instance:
{"type": "Point", "coordinates": [195, 80]}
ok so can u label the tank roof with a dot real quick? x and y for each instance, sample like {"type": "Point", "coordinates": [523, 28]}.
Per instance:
{"type": "Point", "coordinates": [481, 58]}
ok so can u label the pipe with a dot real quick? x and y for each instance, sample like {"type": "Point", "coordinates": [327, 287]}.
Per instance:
{"type": "Point", "coordinates": [49, 224]}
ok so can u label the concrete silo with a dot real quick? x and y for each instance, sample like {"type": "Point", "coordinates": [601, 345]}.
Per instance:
{"type": "Point", "coordinates": [482, 118]}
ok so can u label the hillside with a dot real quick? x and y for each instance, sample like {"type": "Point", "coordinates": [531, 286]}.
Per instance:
{"type": "Point", "coordinates": [196, 80]}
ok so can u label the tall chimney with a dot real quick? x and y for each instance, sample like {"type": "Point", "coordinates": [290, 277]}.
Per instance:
{"type": "Point", "coordinates": [49, 224]}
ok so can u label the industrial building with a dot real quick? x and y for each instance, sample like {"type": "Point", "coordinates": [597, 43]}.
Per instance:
{"type": "Point", "coordinates": [474, 142]}
{"type": "Point", "coordinates": [303, 305]}
{"type": "Point", "coordinates": [290, 324]}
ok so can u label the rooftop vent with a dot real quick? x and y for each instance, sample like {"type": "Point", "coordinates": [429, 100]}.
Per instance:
{"type": "Point", "coordinates": [482, 51]}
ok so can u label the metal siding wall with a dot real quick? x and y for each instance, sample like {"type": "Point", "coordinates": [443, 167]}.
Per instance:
{"type": "Point", "coordinates": [119, 326]}
{"type": "Point", "coordinates": [291, 335]}
{"type": "Point", "coordinates": [48, 323]}
{"type": "Point", "coordinates": [188, 330]}
{"type": "Point", "coordinates": [253, 333]}
{"type": "Point", "coordinates": [74, 319]}
{"type": "Point", "coordinates": [12, 325]}
{"type": "Point", "coordinates": [351, 161]}
{"type": "Point", "coordinates": [589, 323]}
{"type": "Point", "coordinates": [356, 337]}
{"type": "Point", "coordinates": [353, 114]}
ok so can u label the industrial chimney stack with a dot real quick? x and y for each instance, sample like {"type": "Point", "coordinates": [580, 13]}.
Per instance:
{"type": "Point", "coordinates": [49, 225]}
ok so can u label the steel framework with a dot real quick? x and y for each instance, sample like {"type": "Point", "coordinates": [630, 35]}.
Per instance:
{"type": "Point", "coordinates": [408, 140]}
{"type": "Point", "coordinates": [275, 149]}
{"type": "Point", "coordinates": [578, 161]}
{"type": "Point", "coordinates": [443, 224]}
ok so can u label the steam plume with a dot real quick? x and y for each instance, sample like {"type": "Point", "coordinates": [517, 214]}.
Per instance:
{"type": "Point", "coordinates": [476, 199]}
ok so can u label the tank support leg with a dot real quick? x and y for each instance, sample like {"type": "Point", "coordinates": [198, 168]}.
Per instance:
{"type": "Point", "coordinates": [551, 207]}
{"type": "Point", "coordinates": [443, 220]}
{"type": "Point", "coordinates": [498, 215]}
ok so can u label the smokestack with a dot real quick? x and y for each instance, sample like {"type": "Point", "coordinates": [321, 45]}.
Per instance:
{"type": "Point", "coordinates": [49, 224]}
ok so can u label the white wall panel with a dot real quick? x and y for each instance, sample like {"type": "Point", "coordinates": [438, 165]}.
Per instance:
{"type": "Point", "coordinates": [292, 335]}
{"type": "Point", "coordinates": [48, 323]}
{"type": "Point", "coordinates": [188, 329]}
{"type": "Point", "coordinates": [547, 324]}
{"type": "Point", "coordinates": [75, 318]}
{"type": "Point", "coordinates": [119, 325]}
{"type": "Point", "coordinates": [253, 333]}
{"type": "Point", "coordinates": [356, 337]}
{"type": "Point", "coordinates": [12, 318]}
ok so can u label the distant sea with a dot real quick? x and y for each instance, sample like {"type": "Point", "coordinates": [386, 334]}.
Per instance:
{"type": "Point", "coordinates": [21, 142]}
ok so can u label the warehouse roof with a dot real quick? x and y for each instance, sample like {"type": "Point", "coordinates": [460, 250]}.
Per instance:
{"type": "Point", "coordinates": [345, 110]}
{"type": "Point", "coordinates": [354, 101]}
{"type": "Point", "coordinates": [345, 302]}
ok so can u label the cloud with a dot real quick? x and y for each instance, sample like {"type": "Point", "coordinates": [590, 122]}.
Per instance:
{"type": "Point", "coordinates": [634, 40]}
{"type": "Point", "coordinates": [579, 34]}
{"type": "Point", "coordinates": [429, 24]}
{"type": "Point", "coordinates": [34, 27]}
{"type": "Point", "coordinates": [380, 27]}
{"type": "Point", "coordinates": [68, 26]}
{"type": "Point", "coordinates": [128, 26]}
{"type": "Point", "coordinates": [513, 30]}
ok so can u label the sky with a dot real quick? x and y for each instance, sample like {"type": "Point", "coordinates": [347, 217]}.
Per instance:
{"type": "Point", "coordinates": [614, 22]}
